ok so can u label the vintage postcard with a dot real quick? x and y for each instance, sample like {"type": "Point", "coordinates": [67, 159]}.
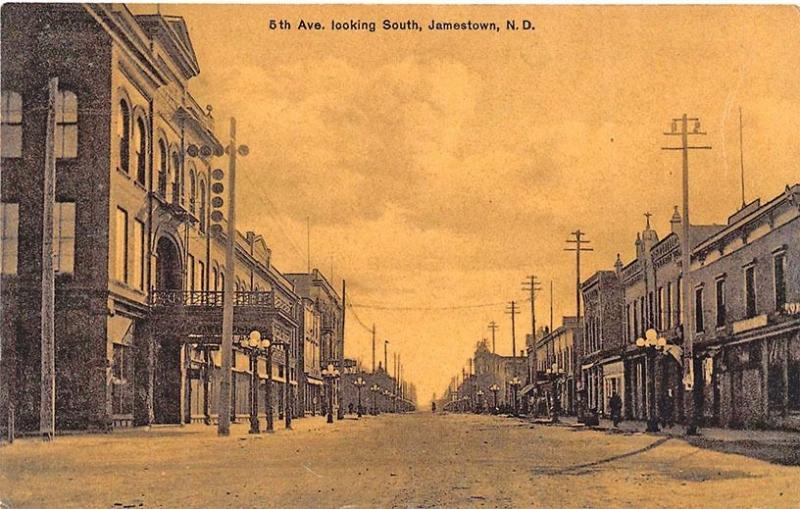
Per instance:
{"type": "Point", "coordinates": [399, 256]}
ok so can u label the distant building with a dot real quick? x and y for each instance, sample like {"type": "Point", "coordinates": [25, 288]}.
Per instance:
{"type": "Point", "coordinates": [558, 367]}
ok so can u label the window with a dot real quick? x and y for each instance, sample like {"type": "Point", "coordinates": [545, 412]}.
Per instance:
{"type": "Point", "coordinates": [66, 135]}
{"type": "Point", "coordinates": [11, 121]}
{"type": "Point", "coordinates": [163, 167]}
{"type": "Point", "coordinates": [678, 303]}
{"type": "Point", "coordinates": [721, 311]}
{"type": "Point", "coordinates": [699, 326]}
{"type": "Point", "coordinates": [122, 390]}
{"type": "Point", "coordinates": [660, 309]}
{"type": "Point", "coordinates": [192, 191]}
{"type": "Point", "coordinates": [635, 319]}
{"type": "Point", "coordinates": [202, 206]}
{"type": "Point", "coordinates": [64, 238]}
{"type": "Point", "coordinates": [9, 224]}
{"type": "Point", "coordinates": [780, 280]}
{"type": "Point", "coordinates": [141, 152]}
{"type": "Point", "coordinates": [668, 307]}
{"type": "Point", "coordinates": [202, 270]}
{"type": "Point", "coordinates": [750, 290]}
{"type": "Point", "coordinates": [138, 254]}
{"type": "Point", "coordinates": [190, 268]}
{"type": "Point", "coordinates": [176, 183]}
{"type": "Point", "coordinates": [124, 132]}
{"type": "Point", "coordinates": [121, 246]}
{"type": "Point", "coordinates": [214, 278]}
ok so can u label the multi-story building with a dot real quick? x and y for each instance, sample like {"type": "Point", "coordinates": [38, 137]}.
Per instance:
{"type": "Point", "coordinates": [490, 369]}
{"type": "Point", "coordinates": [604, 339]}
{"type": "Point", "coordinates": [315, 288]}
{"type": "Point", "coordinates": [558, 366]}
{"type": "Point", "coordinates": [652, 287]}
{"type": "Point", "coordinates": [139, 268]}
{"type": "Point", "coordinates": [745, 287]}
{"type": "Point", "coordinates": [310, 360]}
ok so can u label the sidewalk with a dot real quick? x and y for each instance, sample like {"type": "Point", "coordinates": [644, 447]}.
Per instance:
{"type": "Point", "coordinates": [775, 446]}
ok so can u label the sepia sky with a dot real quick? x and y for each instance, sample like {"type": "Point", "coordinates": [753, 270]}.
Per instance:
{"type": "Point", "coordinates": [440, 169]}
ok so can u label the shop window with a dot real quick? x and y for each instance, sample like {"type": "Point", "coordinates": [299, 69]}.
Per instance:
{"type": "Point", "coordinates": [121, 387]}
{"type": "Point", "coordinates": [11, 121]}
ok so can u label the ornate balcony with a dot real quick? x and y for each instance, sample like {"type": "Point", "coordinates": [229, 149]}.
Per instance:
{"type": "Point", "coordinates": [199, 313]}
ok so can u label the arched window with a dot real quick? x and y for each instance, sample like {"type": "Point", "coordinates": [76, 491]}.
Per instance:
{"type": "Point", "coordinates": [66, 135]}
{"type": "Point", "coordinates": [163, 167]}
{"type": "Point", "coordinates": [11, 119]}
{"type": "Point", "coordinates": [202, 206]}
{"type": "Point", "coordinates": [176, 182]}
{"type": "Point", "coordinates": [192, 191]}
{"type": "Point", "coordinates": [124, 131]}
{"type": "Point", "coordinates": [141, 152]}
{"type": "Point", "coordinates": [215, 278]}
{"type": "Point", "coordinates": [221, 280]}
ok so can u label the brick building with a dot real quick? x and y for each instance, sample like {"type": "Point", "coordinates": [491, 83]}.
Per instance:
{"type": "Point", "coordinates": [139, 269]}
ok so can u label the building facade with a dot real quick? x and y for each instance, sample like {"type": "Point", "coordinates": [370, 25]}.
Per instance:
{"type": "Point", "coordinates": [139, 265]}
{"type": "Point", "coordinates": [745, 284]}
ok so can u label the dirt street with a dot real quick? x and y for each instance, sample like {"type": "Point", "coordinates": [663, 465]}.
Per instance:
{"type": "Point", "coordinates": [416, 460]}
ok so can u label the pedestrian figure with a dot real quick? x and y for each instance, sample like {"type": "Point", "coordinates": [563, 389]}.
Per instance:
{"type": "Point", "coordinates": [433, 407]}
{"type": "Point", "coordinates": [666, 411]}
{"type": "Point", "coordinates": [616, 409]}
{"type": "Point", "coordinates": [350, 408]}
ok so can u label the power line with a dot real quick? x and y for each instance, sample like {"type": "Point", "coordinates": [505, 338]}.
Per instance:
{"type": "Point", "coordinates": [383, 307]}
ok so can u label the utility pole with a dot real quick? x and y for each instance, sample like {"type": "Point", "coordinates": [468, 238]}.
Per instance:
{"type": "Point", "coordinates": [512, 310]}
{"type": "Point", "coordinates": [532, 285]}
{"type": "Point", "coordinates": [373, 348]}
{"type": "Point", "coordinates": [308, 243]}
{"type": "Point", "coordinates": [741, 155]}
{"type": "Point", "coordinates": [386, 355]}
{"type": "Point", "coordinates": [47, 406]}
{"type": "Point", "coordinates": [680, 127]}
{"type": "Point", "coordinates": [493, 326]}
{"type": "Point", "coordinates": [579, 248]}
{"type": "Point", "coordinates": [340, 382]}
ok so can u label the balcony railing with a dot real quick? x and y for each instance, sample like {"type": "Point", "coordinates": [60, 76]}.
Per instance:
{"type": "Point", "coordinates": [213, 299]}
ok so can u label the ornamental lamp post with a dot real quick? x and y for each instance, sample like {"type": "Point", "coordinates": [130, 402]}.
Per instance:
{"type": "Point", "coordinates": [479, 405]}
{"type": "Point", "coordinates": [515, 383]}
{"type": "Point", "coordinates": [253, 344]}
{"type": "Point", "coordinates": [555, 373]}
{"type": "Point", "coordinates": [495, 389]}
{"type": "Point", "coordinates": [374, 389]}
{"type": "Point", "coordinates": [359, 383]}
{"type": "Point", "coordinates": [652, 344]}
{"type": "Point", "coordinates": [329, 374]}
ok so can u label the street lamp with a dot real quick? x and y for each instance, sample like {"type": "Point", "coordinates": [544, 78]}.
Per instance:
{"type": "Point", "coordinates": [555, 373]}
{"type": "Point", "coordinates": [652, 344]}
{"type": "Point", "coordinates": [254, 344]}
{"type": "Point", "coordinates": [515, 383]}
{"type": "Point", "coordinates": [374, 389]}
{"type": "Point", "coordinates": [329, 374]}
{"type": "Point", "coordinates": [479, 404]}
{"type": "Point", "coordinates": [495, 389]}
{"type": "Point", "coordinates": [359, 383]}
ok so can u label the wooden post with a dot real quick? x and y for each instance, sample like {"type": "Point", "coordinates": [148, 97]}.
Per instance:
{"type": "Point", "coordinates": [224, 420]}
{"type": "Point", "coordinates": [47, 410]}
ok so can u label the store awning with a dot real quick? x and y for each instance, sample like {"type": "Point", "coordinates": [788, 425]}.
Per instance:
{"type": "Point", "coordinates": [528, 388]}
{"type": "Point", "coordinates": [313, 381]}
